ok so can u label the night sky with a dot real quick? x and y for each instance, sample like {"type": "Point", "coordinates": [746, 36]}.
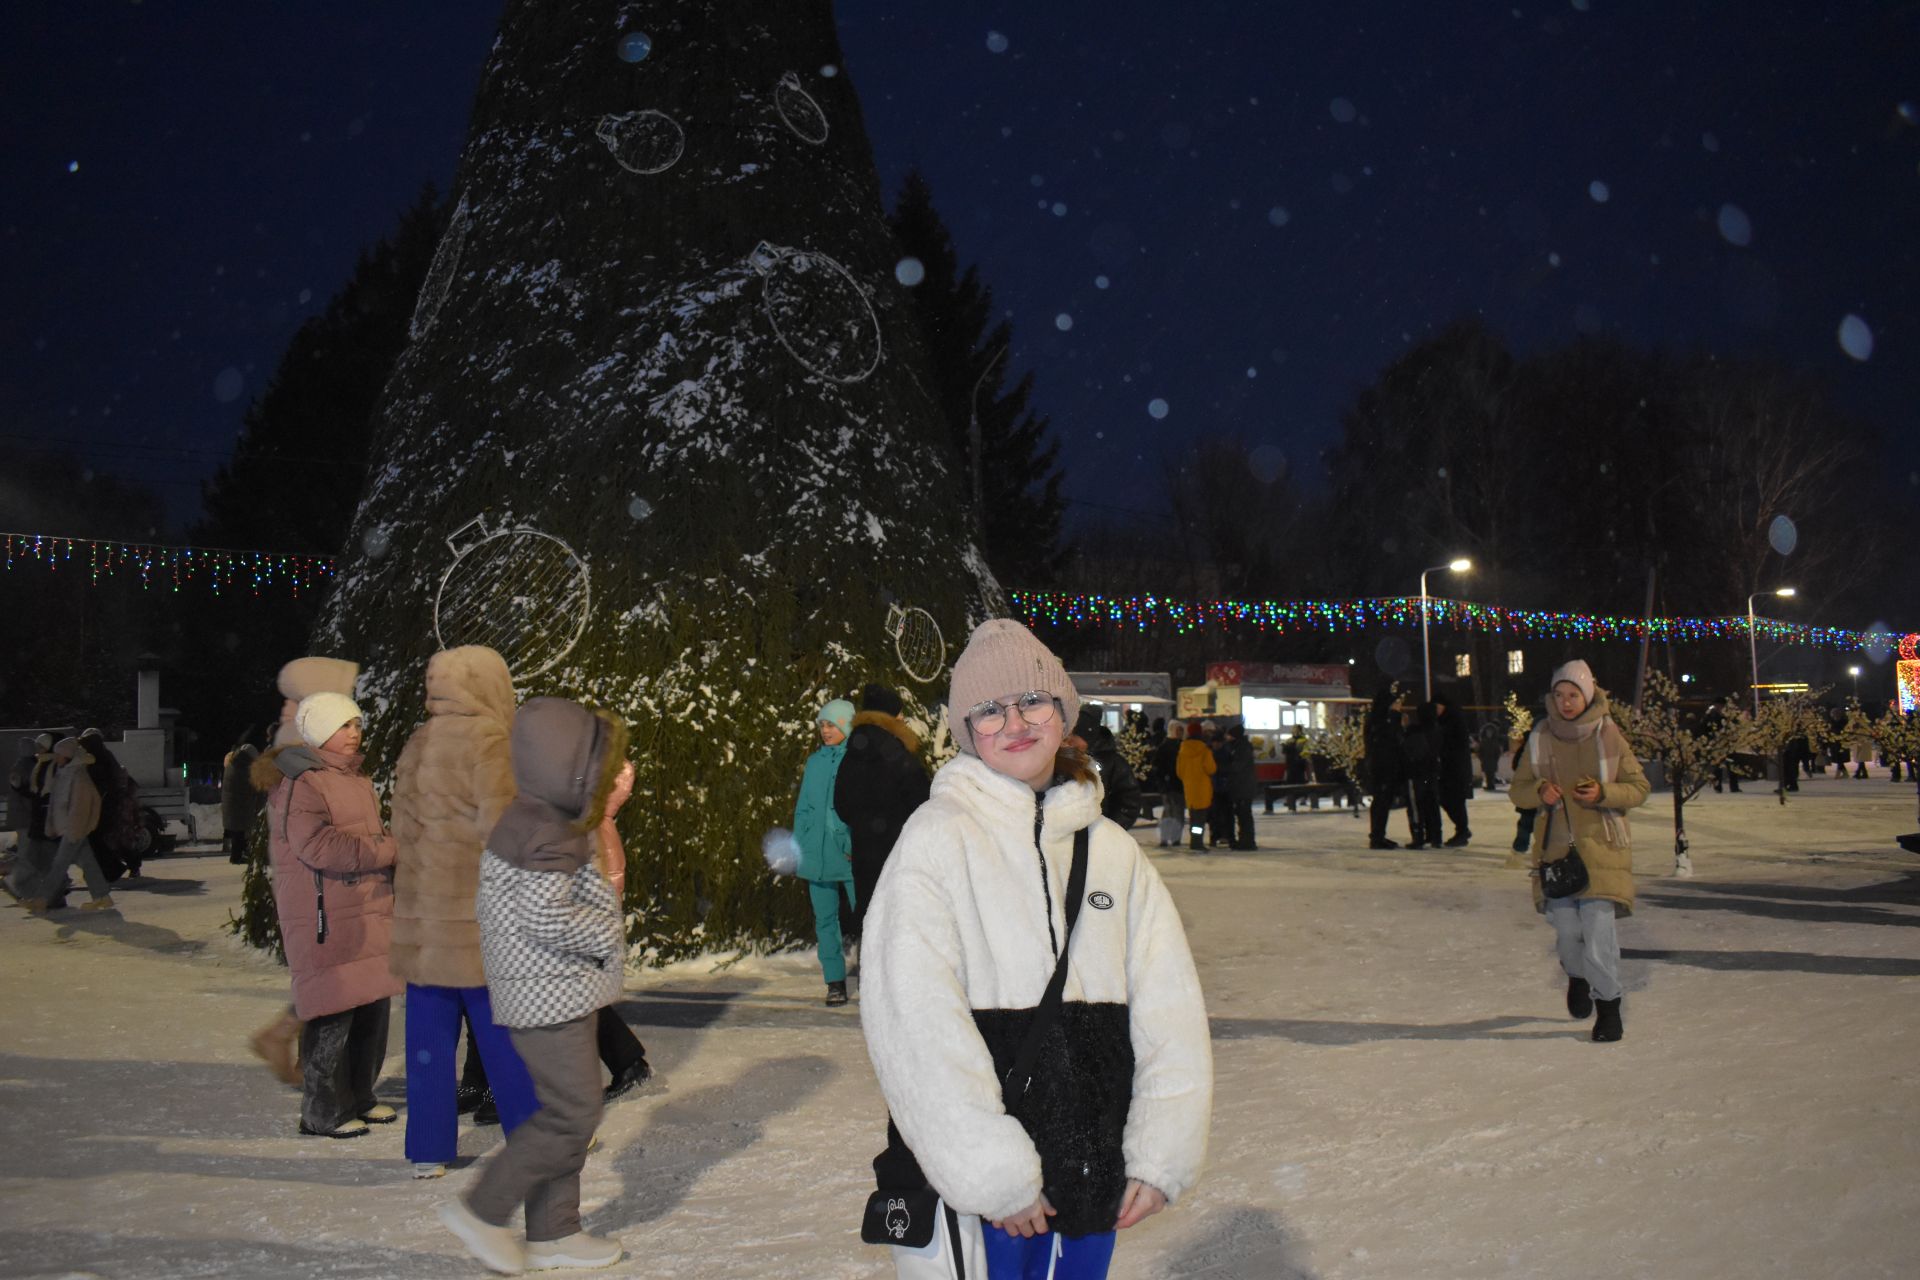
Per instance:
{"type": "Point", "coordinates": [1240, 211]}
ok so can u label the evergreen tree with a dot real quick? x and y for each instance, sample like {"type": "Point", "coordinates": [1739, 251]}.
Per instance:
{"type": "Point", "coordinates": [1016, 459]}
{"type": "Point", "coordinates": [296, 475]}
{"type": "Point", "coordinates": [663, 331]}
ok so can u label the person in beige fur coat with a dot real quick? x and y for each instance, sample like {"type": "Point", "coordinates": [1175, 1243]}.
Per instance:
{"type": "Point", "coordinates": [453, 781]}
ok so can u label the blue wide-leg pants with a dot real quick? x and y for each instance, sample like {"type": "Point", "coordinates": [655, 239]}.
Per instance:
{"type": "Point", "coordinates": [1033, 1257]}
{"type": "Point", "coordinates": [433, 1076]}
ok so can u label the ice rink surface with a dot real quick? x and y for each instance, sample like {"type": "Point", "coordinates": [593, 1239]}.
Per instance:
{"type": "Point", "coordinates": [1399, 1092]}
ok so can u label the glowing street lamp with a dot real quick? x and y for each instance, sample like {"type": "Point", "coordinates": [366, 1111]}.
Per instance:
{"type": "Point", "coordinates": [1753, 647]}
{"type": "Point", "coordinates": [1460, 565]}
{"type": "Point", "coordinates": [1855, 673]}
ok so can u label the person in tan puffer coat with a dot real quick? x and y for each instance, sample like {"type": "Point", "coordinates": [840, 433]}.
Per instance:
{"type": "Point", "coordinates": [1579, 773]}
{"type": "Point", "coordinates": [453, 781]}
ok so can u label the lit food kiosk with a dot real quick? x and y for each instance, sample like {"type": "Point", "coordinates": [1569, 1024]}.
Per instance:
{"type": "Point", "coordinates": [1114, 693]}
{"type": "Point", "coordinates": [1274, 701]}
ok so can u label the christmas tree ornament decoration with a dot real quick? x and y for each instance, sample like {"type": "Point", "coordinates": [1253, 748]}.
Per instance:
{"type": "Point", "coordinates": [917, 642]}
{"type": "Point", "coordinates": [634, 46]}
{"type": "Point", "coordinates": [446, 261]}
{"type": "Point", "coordinates": [522, 593]}
{"type": "Point", "coordinates": [820, 314]}
{"type": "Point", "coordinates": [802, 114]}
{"type": "Point", "coordinates": [643, 142]}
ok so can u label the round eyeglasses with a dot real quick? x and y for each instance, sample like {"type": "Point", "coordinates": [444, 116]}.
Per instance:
{"type": "Point", "coordinates": [1034, 706]}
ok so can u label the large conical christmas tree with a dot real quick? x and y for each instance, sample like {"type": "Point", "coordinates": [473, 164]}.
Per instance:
{"type": "Point", "coordinates": [663, 435]}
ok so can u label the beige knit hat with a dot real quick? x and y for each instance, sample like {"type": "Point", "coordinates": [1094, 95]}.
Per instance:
{"type": "Point", "coordinates": [1576, 673]}
{"type": "Point", "coordinates": [1003, 658]}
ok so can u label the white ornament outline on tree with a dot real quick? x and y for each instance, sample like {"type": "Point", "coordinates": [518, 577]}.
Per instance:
{"type": "Point", "coordinates": [446, 261]}
{"type": "Point", "coordinates": [625, 130]}
{"type": "Point", "coordinates": [774, 264]}
{"type": "Point", "coordinates": [517, 546]}
{"type": "Point", "coordinates": [917, 642]}
{"type": "Point", "coordinates": [791, 100]}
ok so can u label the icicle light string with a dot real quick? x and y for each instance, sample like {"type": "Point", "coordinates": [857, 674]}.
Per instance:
{"type": "Point", "coordinates": [168, 567]}
{"type": "Point", "coordinates": [1141, 613]}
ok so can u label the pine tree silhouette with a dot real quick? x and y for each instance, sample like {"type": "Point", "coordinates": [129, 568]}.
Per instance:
{"type": "Point", "coordinates": [1016, 460]}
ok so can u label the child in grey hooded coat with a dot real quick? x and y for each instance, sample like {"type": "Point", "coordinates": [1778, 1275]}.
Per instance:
{"type": "Point", "coordinates": [553, 945]}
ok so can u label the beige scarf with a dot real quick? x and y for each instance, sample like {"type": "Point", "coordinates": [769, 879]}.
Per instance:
{"type": "Point", "coordinates": [1594, 724]}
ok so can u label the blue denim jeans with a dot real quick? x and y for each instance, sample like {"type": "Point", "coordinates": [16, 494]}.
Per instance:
{"type": "Point", "coordinates": [1589, 945]}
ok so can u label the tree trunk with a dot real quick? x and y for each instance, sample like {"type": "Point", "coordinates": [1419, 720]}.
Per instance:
{"type": "Point", "coordinates": [662, 338]}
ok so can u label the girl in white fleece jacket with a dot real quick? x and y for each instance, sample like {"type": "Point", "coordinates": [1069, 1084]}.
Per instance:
{"type": "Point", "coordinates": [961, 941]}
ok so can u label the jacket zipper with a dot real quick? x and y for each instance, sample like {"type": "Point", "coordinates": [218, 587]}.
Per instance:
{"type": "Point", "coordinates": [1046, 886]}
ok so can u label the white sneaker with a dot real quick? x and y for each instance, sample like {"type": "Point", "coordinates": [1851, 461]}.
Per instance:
{"type": "Point", "coordinates": [500, 1248]}
{"type": "Point", "coordinates": [428, 1169]}
{"type": "Point", "coordinates": [578, 1250]}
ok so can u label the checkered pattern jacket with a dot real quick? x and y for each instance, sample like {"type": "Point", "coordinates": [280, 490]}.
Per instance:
{"type": "Point", "coordinates": [553, 944]}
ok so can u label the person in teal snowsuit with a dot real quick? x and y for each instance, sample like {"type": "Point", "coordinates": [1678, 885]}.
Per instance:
{"type": "Point", "coordinates": [826, 847]}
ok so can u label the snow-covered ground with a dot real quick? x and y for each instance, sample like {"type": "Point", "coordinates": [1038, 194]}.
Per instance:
{"type": "Point", "coordinates": [1399, 1092]}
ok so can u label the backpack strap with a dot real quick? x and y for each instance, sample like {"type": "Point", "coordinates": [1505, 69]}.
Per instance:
{"type": "Point", "coordinates": [1019, 1077]}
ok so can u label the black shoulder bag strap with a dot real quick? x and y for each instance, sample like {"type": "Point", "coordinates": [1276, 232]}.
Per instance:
{"type": "Point", "coordinates": [1019, 1077]}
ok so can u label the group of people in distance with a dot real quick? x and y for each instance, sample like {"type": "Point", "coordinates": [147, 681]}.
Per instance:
{"type": "Point", "coordinates": [82, 809]}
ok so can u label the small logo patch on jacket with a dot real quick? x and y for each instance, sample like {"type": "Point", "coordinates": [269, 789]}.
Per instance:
{"type": "Point", "coordinates": [1100, 901]}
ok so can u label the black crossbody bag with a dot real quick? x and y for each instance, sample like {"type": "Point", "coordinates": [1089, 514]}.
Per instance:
{"type": "Point", "coordinates": [1567, 876]}
{"type": "Point", "coordinates": [905, 1216]}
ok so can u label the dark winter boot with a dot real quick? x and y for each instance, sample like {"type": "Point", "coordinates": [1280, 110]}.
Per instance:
{"type": "Point", "coordinates": [1459, 839]}
{"type": "Point", "coordinates": [836, 994]}
{"type": "Point", "coordinates": [488, 1112]}
{"type": "Point", "coordinates": [1606, 1027]}
{"type": "Point", "coordinates": [1381, 842]}
{"type": "Point", "coordinates": [637, 1074]}
{"type": "Point", "coordinates": [1580, 999]}
{"type": "Point", "coordinates": [468, 1097]}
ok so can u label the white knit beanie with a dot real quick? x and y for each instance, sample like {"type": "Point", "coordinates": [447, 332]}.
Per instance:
{"type": "Point", "coordinates": [1003, 658]}
{"type": "Point", "coordinates": [320, 716]}
{"type": "Point", "coordinates": [1577, 674]}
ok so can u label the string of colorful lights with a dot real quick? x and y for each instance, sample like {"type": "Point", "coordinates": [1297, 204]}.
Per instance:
{"type": "Point", "coordinates": [170, 567]}
{"type": "Point", "coordinates": [1141, 613]}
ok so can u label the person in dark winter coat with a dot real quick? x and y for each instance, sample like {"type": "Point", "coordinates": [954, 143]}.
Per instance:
{"type": "Point", "coordinates": [1456, 769]}
{"type": "Point", "coordinates": [116, 842]}
{"type": "Point", "coordinates": [1421, 745]}
{"type": "Point", "coordinates": [1385, 766]}
{"type": "Point", "coordinates": [1120, 791]}
{"type": "Point", "coordinates": [239, 802]}
{"type": "Point", "coordinates": [553, 944]}
{"type": "Point", "coordinates": [1492, 745]}
{"type": "Point", "coordinates": [880, 783]}
{"type": "Point", "coordinates": [1165, 778]}
{"type": "Point", "coordinates": [967, 928]}
{"type": "Point", "coordinates": [30, 779]}
{"type": "Point", "coordinates": [1220, 816]}
{"type": "Point", "coordinates": [1238, 781]}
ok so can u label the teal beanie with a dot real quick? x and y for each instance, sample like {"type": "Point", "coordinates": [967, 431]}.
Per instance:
{"type": "Point", "coordinates": [838, 712]}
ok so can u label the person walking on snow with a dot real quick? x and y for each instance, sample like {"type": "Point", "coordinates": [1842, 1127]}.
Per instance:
{"type": "Point", "coordinates": [453, 780]}
{"type": "Point", "coordinates": [826, 847]}
{"type": "Point", "coordinates": [1579, 772]}
{"type": "Point", "coordinates": [1166, 779]}
{"type": "Point", "coordinates": [239, 802]}
{"type": "Point", "coordinates": [553, 943]}
{"type": "Point", "coordinates": [1196, 767]}
{"type": "Point", "coordinates": [966, 936]}
{"type": "Point", "coordinates": [73, 812]}
{"type": "Point", "coordinates": [333, 890]}
{"type": "Point", "coordinates": [1456, 770]}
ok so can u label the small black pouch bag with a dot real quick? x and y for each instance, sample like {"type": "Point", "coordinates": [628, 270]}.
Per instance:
{"type": "Point", "coordinates": [1567, 876]}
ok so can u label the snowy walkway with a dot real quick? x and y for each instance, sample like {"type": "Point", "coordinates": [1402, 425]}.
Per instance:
{"type": "Point", "coordinates": [1399, 1092]}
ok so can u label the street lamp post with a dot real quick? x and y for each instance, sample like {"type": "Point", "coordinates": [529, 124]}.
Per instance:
{"type": "Point", "coordinates": [1855, 673]}
{"type": "Point", "coordinates": [1460, 565]}
{"type": "Point", "coordinates": [1753, 646]}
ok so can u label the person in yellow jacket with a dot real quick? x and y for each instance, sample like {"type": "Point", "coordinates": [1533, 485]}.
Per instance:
{"type": "Point", "coordinates": [1578, 771]}
{"type": "Point", "coordinates": [1195, 767]}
